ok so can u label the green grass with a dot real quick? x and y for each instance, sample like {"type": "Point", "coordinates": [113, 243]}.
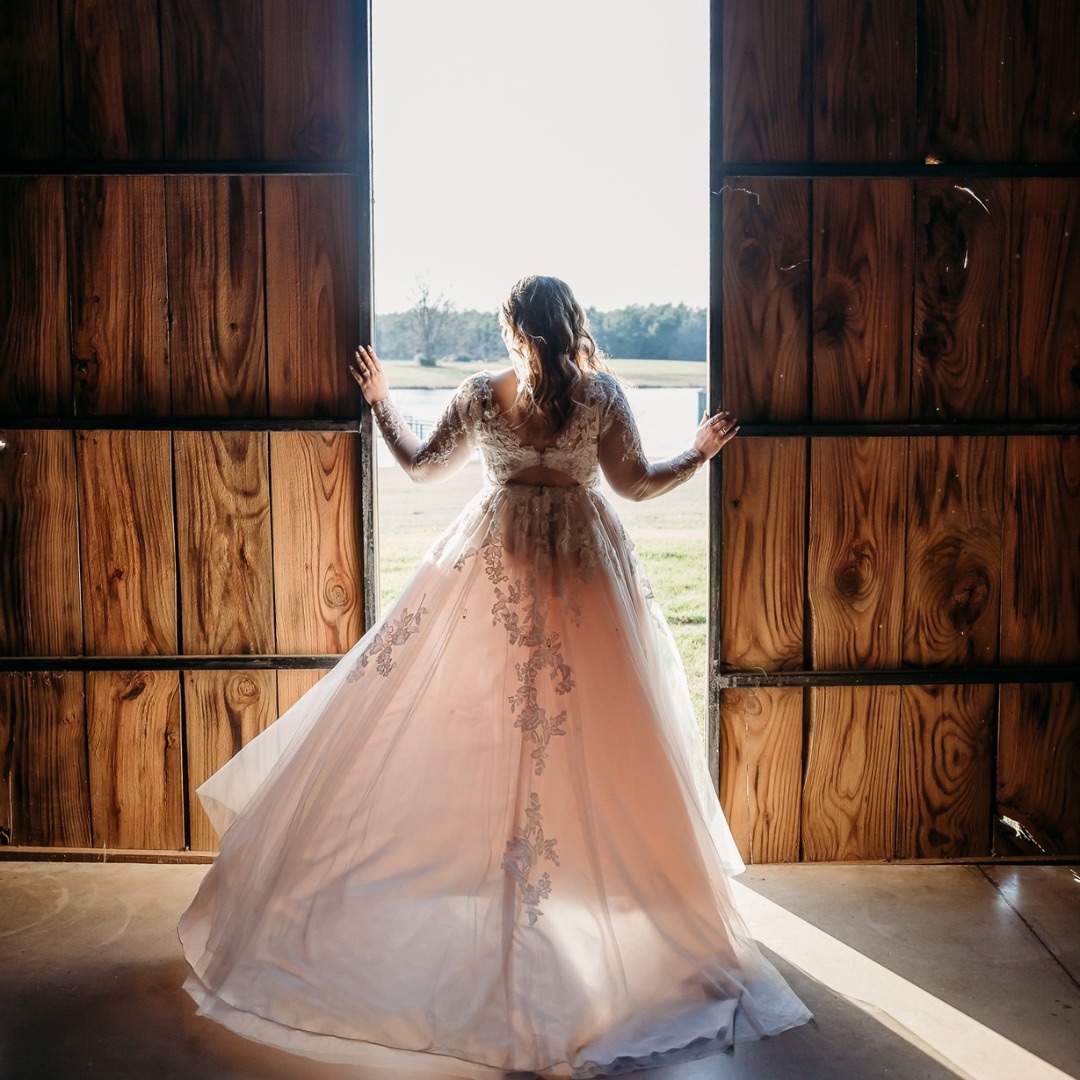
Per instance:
{"type": "Point", "coordinates": [409, 375]}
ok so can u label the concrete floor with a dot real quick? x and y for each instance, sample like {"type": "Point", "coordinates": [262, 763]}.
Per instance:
{"type": "Point", "coordinates": [911, 971]}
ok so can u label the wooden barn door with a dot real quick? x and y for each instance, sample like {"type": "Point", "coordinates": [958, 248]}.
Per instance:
{"type": "Point", "coordinates": [895, 317]}
{"type": "Point", "coordinates": [185, 513]}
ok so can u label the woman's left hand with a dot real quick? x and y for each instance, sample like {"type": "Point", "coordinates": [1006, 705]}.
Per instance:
{"type": "Point", "coordinates": [714, 433]}
{"type": "Point", "coordinates": [368, 372]}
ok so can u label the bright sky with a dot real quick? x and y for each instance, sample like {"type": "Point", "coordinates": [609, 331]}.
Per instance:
{"type": "Point", "coordinates": [564, 137]}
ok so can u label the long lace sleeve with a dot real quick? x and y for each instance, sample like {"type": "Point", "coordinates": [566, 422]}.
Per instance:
{"type": "Point", "coordinates": [623, 460]}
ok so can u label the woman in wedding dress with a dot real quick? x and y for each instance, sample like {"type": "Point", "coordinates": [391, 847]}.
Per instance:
{"type": "Point", "coordinates": [489, 832]}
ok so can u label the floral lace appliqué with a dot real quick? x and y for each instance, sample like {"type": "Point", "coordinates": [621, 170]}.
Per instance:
{"type": "Point", "coordinates": [528, 847]}
{"type": "Point", "coordinates": [381, 647]}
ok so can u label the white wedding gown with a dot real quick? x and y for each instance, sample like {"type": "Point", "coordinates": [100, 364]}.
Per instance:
{"type": "Point", "coordinates": [488, 833]}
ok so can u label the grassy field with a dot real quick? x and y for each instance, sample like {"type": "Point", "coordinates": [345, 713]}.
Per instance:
{"type": "Point", "coordinates": [408, 375]}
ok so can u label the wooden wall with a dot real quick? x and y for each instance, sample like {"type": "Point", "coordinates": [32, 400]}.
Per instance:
{"type": "Point", "coordinates": [184, 269]}
{"type": "Point", "coordinates": [896, 321]}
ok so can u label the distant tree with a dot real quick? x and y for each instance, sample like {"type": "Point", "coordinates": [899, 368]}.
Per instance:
{"type": "Point", "coordinates": [429, 315]}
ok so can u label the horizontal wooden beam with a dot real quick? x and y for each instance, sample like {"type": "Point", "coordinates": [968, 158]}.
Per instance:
{"type": "Point", "coordinates": [1045, 673]}
{"type": "Point", "coordinates": [911, 170]}
{"type": "Point", "coordinates": [70, 167]}
{"type": "Point", "coordinates": [901, 429]}
{"type": "Point", "coordinates": [177, 423]}
{"type": "Point", "coordinates": [242, 661]}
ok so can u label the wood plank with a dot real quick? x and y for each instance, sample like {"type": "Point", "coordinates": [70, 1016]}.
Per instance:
{"type": "Point", "coordinates": [294, 683]}
{"type": "Point", "coordinates": [953, 581]}
{"type": "Point", "coordinates": [39, 573]}
{"type": "Point", "coordinates": [856, 558]}
{"type": "Point", "coordinates": [310, 95]}
{"type": "Point", "coordinates": [119, 294]}
{"type": "Point", "coordinates": [314, 500]}
{"type": "Point", "coordinates": [112, 79]}
{"type": "Point", "coordinates": [218, 333]}
{"type": "Point", "coordinates": [765, 312]}
{"type": "Point", "coordinates": [30, 117]}
{"type": "Point", "coordinates": [862, 299]}
{"type": "Point", "coordinates": [44, 786]}
{"type": "Point", "coordinates": [1040, 594]}
{"type": "Point", "coordinates": [961, 355]}
{"type": "Point", "coordinates": [766, 80]}
{"type": "Point", "coordinates": [1039, 765]}
{"type": "Point", "coordinates": [223, 710]}
{"type": "Point", "coordinates": [864, 81]}
{"type": "Point", "coordinates": [311, 294]}
{"type": "Point", "coordinates": [849, 791]}
{"type": "Point", "coordinates": [946, 767]}
{"type": "Point", "coordinates": [126, 542]}
{"type": "Point", "coordinates": [764, 531]}
{"type": "Point", "coordinates": [1045, 375]}
{"type": "Point", "coordinates": [213, 79]}
{"type": "Point", "coordinates": [35, 372]}
{"type": "Point", "coordinates": [761, 771]}
{"type": "Point", "coordinates": [136, 759]}
{"type": "Point", "coordinates": [223, 523]}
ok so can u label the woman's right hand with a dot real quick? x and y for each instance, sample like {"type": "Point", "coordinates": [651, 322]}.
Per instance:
{"type": "Point", "coordinates": [368, 372]}
{"type": "Point", "coordinates": [714, 433]}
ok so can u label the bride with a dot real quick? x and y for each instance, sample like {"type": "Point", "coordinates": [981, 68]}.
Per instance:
{"type": "Point", "coordinates": [489, 833]}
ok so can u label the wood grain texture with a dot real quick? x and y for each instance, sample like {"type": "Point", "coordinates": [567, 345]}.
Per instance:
{"type": "Point", "coordinates": [126, 541]}
{"type": "Point", "coordinates": [766, 80]}
{"type": "Point", "coordinates": [316, 512]}
{"type": "Point", "coordinates": [30, 117]}
{"type": "Point", "coordinates": [294, 683]}
{"type": "Point", "coordinates": [953, 581]}
{"type": "Point", "coordinates": [965, 80]}
{"type": "Point", "coordinates": [961, 354]}
{"type": "Point", "coordinates": [761, 771]}
{"type": "Point", "coordinates": [212, 73]}
{"type": "Point", "coordinates": [1047, 89]}
{"type": "Point", "coordinates": [864, 80]}
{"type": "Point", "coordinates": [136, 759]}
{"type": "Point", "coordinates": [764, 531]}
{"type": "Point", "coordinates": [119, 294]}
{"type": "Point", "coordinates": [112, 79]}
{"type": "Point", "coordinates": [311, 294]}
{"type": "Point", "coordinates": [44, 785]}
{"type": "Point", "coordinates": [35, 368]}
{"type": "Point", "coordinates": [856, 558]}
{"type": "Point", "coordinates": [39, 570]}
{"type": "Point", "coordinates": [1040, 594]}
{"type": "Point", "coordinates": [310, 95]}
{"type": "Point", "coordinates": [862, 272]}
{"type": "Point", "coordinates": [1045, 374]}
{"type": "Point", "coordinates": [1038, 769]}
{"type": "Point", "coordinates": [766, 298]}
{"type": "Point", "coordinates": [849, 790]}
{"type": "Point", "coordinates": [223, 710]}
{"type": "Point", "coordinates": [223, 538]}
{"type": "Point", "coordinates": [216, 287]}
{"type": "Point", "coordinates": [946, 771]}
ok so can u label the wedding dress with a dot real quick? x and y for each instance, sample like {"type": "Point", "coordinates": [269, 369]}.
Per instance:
{"type": "Point", "coordinates": [489, 833]}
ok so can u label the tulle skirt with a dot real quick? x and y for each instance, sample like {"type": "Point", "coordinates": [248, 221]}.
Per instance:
{"type": "Point", "coordinates": [489, 832]}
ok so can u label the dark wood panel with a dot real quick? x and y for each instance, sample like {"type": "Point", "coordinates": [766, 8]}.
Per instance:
{"type": "Point", "coordinates": [764, 531]}
{"type": "Point", "coordinates": [849, 791]}
{"type": "Point", "coordinates": [856, 572]}
{"type": "Point", "coordinates": [213, 79]}
{"type": "Point", "coordinates": [35, 365]}
{"type": "Point", "coordinates": [761, 771]}
{"type": "Point", "coordinates": [316, 513]}
{"type": "Point", "coordinates": [1047, 89]}
{"type": "Point", "coordinates": [1045, 376]}
{"type": "Point", "coordinates": [311, 294]}
{"type": "Point", "coordinates": [223, 522]}
{"type": "Point", "coordinates": [862, 273]}
{"type": "Point", "coordinates": [766, 80]}
{"type": "Point", "coordinates": [39, 571]}
{"type": "Point", "coordinates": [30, 119]}
{"type": "Point", "coordinates": [224, 710]}
{"type": "Point", "coordinates": [294, 683]}
{"type": "Point", "coordinates": [766, 298]}
{"type": "Point", "coordinates": [946, 767]}
{"type": "Point", "coordinates": [961, 355]}
{"type": "Point", "coordinates": [44, 786]}
{"type": "Point", "coordinates": [311, 94]}
{"type": "Point", "coordinates": [112, 79]}
{"type": "Point", "coordinates": [952, 590]}
{"type": "Point", "coordinates": [218, 333]}
{"type": "Point", "coordinates": [1040, 596]}
{"type": "Point", "coordinates": [119, 295]}
{"type": "Point", "coordinates": [126, 541]}
{"type": "Point", "coordinates": [1038, 772]}
{"type": "Point", "coordinates": [136, 759]}
{"type": "Point", "coordinates": [864, 81]}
